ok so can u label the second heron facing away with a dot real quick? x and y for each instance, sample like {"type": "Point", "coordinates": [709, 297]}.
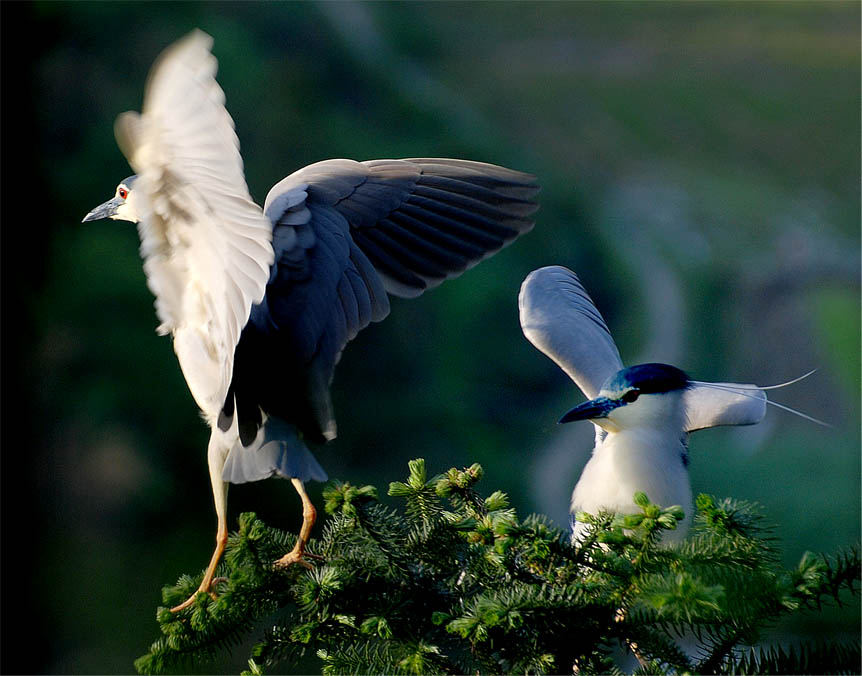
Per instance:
{"type": "Point", "coordinates": [642, 414]}
{"type": "Point", "coordinates": [261, 303]}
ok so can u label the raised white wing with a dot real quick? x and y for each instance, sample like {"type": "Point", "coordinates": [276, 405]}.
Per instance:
{"type": "Point", "coordinates": [715, 404]}
{"type": "Point", "coordinates": [206, 244]}
{"type": "Point", "coordinates": [559, 318]}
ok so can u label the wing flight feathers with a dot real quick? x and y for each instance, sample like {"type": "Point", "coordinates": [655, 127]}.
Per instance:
{"type": "Point", "coordinates": [345, 233]}
{"type": "Point", "coordinates": [559, 318]}
{"type": "Point", "coordinates": [714, 404]}
{"type": "Point", "coordinates": [419, 221]}
{"type": "Point", "coordinates": [207, 245]}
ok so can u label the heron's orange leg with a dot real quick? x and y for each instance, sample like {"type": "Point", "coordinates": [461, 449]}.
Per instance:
{"type": "Point", "coordinates": [207, 582]}
{"type": "Point", "coordinates": [309, 515]}
{"type": "Point", "coordinates": [215, 457]}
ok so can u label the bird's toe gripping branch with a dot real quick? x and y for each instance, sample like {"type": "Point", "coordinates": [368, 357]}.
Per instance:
{"type": "Point", "coordinates": [208, 583]}
{"type": "Point", "coordinates": [309, 516]}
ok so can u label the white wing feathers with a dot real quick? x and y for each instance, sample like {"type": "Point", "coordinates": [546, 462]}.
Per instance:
{"type": "Point", "coordinates": [206, 244]}
{"type": "Point", "coordinates": [559, 318]}
{"type": "Point", "coordinates": [714, 404]}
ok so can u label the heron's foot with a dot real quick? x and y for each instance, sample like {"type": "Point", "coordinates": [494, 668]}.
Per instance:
{"type": "Point", "coordinates": [209, 589]}
{"type": "Point", "coordinates": [191, 599]}
{"type": "Point", "coordinates": [291, 558]}
{"type": "Point", "coordinates": [296, 555]}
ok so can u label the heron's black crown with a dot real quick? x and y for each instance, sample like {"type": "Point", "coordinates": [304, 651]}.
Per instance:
{"type": "Point", "coordinates": [649, 379]}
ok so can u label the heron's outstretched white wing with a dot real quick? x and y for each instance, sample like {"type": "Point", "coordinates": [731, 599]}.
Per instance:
{"type": "Point", "coordinates": [206, 244]}
{"type": "Point", "coordinates": [715, 404]}
{"type": "Point", "coordinates": [559, 318]}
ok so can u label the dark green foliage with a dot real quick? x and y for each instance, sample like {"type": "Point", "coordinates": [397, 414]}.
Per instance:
{"type": "Point", "coordinates": [819, 658]}
{"type": "Point", "coordinates": [456, 583]}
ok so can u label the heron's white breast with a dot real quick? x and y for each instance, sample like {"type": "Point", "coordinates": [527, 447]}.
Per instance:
{"type": "Point", "coordinates": [633, 460]}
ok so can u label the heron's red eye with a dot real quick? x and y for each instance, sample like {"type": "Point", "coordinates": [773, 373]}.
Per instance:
{"type": "Point", "coordinates": [631, 396]}
{"type": "Point", "coordinates": [122, 192]}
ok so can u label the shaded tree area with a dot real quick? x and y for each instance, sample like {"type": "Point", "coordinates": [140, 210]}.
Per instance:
{"type": "Point", "coordinates": [451, 581]}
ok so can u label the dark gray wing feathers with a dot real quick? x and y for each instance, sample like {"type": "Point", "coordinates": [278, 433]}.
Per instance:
{"type": "Point", "coordinates": [345, 233]}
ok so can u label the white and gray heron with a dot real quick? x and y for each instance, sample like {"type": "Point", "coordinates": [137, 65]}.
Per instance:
{"type": "Point", "coordinates": [642, 414]}
{"type": "Point", "coordinates": [261, 302]}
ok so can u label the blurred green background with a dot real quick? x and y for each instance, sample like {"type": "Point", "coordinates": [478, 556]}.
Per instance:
{"type": "Point", "coordinates": [700, 165]}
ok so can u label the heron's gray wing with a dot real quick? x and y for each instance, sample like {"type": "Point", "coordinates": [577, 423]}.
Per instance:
{"type": "Point", "coordinates": [206, 244]}
{"type": "Point", "coordinates": [419, 221]}
{"type": "Point", "coordinates": [345, 233]}
{"type": "Point", "coordinates": [559, 318]}
{"type": "Point", "coordinates": [715, 404]}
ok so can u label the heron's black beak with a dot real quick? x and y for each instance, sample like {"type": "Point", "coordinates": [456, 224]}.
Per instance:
{"type": "Point", "coordinates": [590, 410]}
{"type": "Point", "coordinates": [105, 210]}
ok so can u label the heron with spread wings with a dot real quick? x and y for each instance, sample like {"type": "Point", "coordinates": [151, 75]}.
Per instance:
{"type": "Point", "coordinates": [261, 302]}
{"type": "Point", "coordinates": [642, 414]}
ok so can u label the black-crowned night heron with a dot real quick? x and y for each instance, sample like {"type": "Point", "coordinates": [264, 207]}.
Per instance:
{"type": "Point", "coordinates": [642, 414]}
{"type": "Point", "coordinates": [260, 303]}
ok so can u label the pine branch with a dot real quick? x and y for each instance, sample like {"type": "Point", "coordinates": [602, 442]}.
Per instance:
{"type": "Point", "coordinates": [819, 658]}
{"type": "Point", "coordinates": [454, 582]}
{"type": "Point", "coordinates": [819, 579]}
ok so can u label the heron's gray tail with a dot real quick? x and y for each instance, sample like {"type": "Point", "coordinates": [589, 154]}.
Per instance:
{"type": "Point", "coordinates": [277, 450]}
